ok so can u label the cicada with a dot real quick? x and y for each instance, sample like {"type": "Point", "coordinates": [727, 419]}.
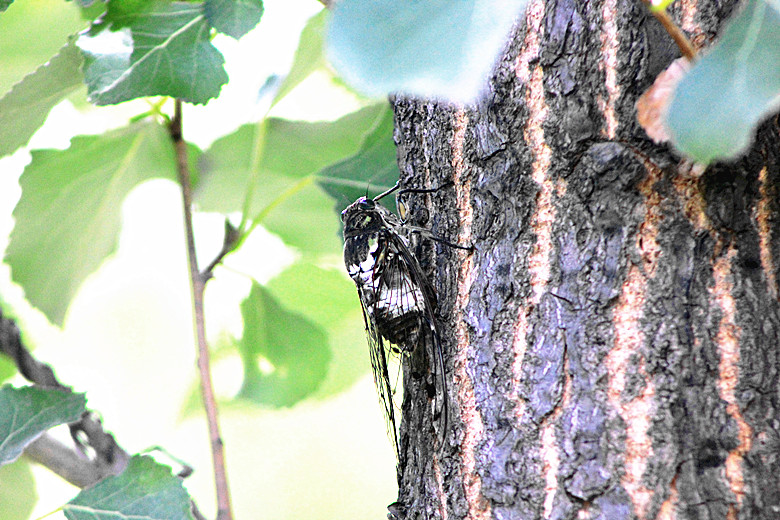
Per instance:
{"type": "Point", "coordinates": [398, 300]}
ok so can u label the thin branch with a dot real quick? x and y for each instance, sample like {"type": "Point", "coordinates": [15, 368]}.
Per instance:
{"type": "Point", "coordinates": [229, 243]}
{"type": "Point", "coordinates": [679, 37]}
{"type": "Point", "coordinates": [198, 281]}
{"type": "Point", "coordinates": [70, 463]}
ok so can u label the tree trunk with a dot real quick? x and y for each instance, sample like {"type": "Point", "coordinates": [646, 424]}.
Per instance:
{"type": "Point", "coordinates": [611, 345]}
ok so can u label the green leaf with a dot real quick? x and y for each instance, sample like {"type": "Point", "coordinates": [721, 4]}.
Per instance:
{"type": "Point", "coordinates": [371, 170]}
{"type": "Point", "coordinates": [154, 48]}
{"type": "Point", "coordinates": [233, 17]}
{"type": "Point", "coordinates": [328, 298]}
{"type": "Point", "coordinates": [4, 4]}
{"type": "Point", "coordinates": [281, 158]}
{"type": "Point", "coordinates": [442, 49]}
{"type": "Point", "coordinates": [25, 107]}
{"type": "Point", "coordinates": [17, 491]}
{"type": "Point", "coordinates": [144, 490]}
{"type": "Point", "coordinates": [304, 219]}
{"type": "Point", "coordinates": [31, 33]}
{"type": "Point", "coordinates": [69, 216]}
{"type": "Point", "coordinates": [285, 355]}
{"type": "Point", "coordinates": [27, 412]}
{"type": "Point", "coordinates": [727, 93]}
{"type": "Point", "coordinates": [309, 56]}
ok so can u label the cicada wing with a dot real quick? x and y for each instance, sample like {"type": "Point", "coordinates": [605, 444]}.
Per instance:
{"type": "Point", "coordinates": [378, 353]}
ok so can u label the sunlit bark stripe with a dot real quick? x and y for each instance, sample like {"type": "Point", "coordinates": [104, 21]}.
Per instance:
{"type": "Point", "coordinates": [551, 460]}
{"type": "Point", "coordinates": [688, 23]}
{"type": "Point", "coordinates": [668, 509]}
{"type": "Point", "coordinates": [727, 340]}
{"type": "Point", "coordinates": [530, 51]}
{"type": "Point", "coordinates": [608, 64]}
{"type": "Point", "coordinates": [763, 213]}
{"type": "Point", "coordinates": [479, 507]}
{"type": "Point", "coordinates": [629, 341]}
{"type": "Point", "coordinates": [727, 337]}
{"type": "Point", "coordinates": [636, 413]}
{"type": "Point", "coordinates": [541, 224]}
{"type": "Point", "coordinates": [440, 488]}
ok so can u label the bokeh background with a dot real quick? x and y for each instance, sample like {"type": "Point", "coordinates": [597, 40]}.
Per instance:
{"type": "Point", "coordinates": [128, 338]}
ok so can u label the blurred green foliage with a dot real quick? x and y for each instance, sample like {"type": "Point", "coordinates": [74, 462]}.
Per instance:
{"type": "Point", "coordinates": [302, 331]}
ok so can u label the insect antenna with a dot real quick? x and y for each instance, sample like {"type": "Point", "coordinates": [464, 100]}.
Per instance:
{"type": "Point", "coordinates": [385, 193]}
{"type": "Point", "coordinates": [427, 234]}
{"type": "Point", "coordinates": [424, 190]}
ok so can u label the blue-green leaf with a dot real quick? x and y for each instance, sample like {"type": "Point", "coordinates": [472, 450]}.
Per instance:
{"type": "Point", "coordinates": [370, 170]}
{"type": "Point", "coordinates": [233, 17]}
{"type": "Point", "coordinates": [154, 48]}
{"type": "Point", "coordinates": [275, 162]}
{"type": "Point", "coordinates": [328, 298]}
{"type": "Point", "coordinates": [442, 49]}
{"type": "Point", "coordinates": [727, 93]}
{"type": "Point", "coordinates": [27, 412]}
{"type": "Point", "coordinates": [144, 490]}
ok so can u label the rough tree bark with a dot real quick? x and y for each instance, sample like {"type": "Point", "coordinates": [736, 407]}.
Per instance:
{"type": "Point", "coordinates": [612, 343]}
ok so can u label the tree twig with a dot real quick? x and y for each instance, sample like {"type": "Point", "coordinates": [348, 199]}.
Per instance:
{"type": "Point", "coordinates": [232, 236]}
{"type": "Point", "coordinates": [198, 282]}
{"type": "Point", "coordinates": [70, 463]}
{"type": "Point", "coordinates": [679, 37]}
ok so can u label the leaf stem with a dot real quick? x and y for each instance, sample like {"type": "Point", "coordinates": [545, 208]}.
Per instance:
{"type": "Point", "coordinates": [679, 37]}
{"type": "Point", "coordinates": [198, 283]}
{"type": "Point", "coordinates": [286, 194]}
